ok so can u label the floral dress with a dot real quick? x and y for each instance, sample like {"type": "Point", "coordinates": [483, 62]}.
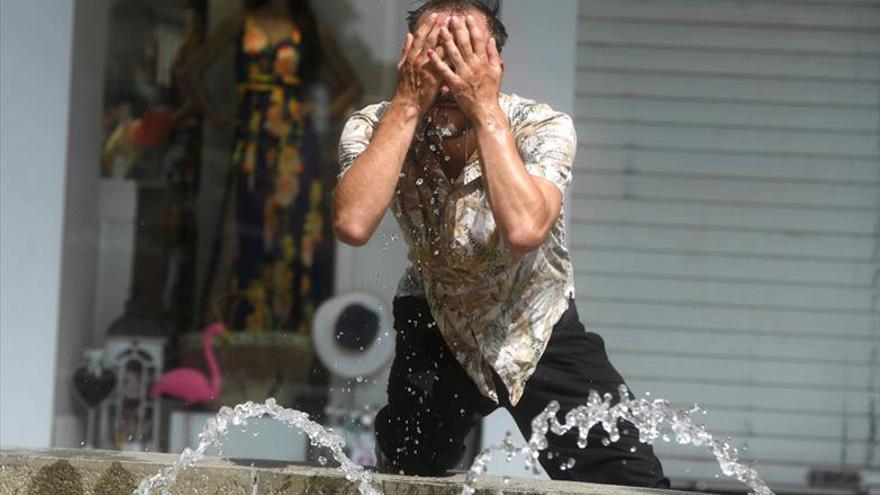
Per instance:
{"type": "Point", "coordinates": [274, 200]}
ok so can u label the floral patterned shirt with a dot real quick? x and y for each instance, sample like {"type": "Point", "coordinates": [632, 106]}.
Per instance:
{"type": "Point", "coordinates": [493, 310]}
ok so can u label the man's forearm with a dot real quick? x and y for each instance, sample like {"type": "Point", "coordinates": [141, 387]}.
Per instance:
{"type": "Point", "coordinates": [365, 191]}
{"type": "Point", "coordinates": [518, 204]}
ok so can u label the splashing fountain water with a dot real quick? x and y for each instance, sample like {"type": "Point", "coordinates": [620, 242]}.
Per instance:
{"type": "Point", "coordinates": [648, 416]}
{"type": "Point", "coordinates": [217, 428]}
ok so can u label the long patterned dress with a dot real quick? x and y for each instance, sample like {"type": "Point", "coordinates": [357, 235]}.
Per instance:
{"type": "Point", "coordinates": [275, 192]}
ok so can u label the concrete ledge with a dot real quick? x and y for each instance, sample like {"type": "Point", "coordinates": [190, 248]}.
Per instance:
{"type": "Point", "coordinates": [91, 472]}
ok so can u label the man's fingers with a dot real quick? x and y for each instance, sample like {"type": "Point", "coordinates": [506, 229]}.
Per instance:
{"type": "Point", "coordinates": [418, 52]}
{"type": "Point", "coordinates": [443, 69]}
{"type": "Point", "coordinates": [440, 51]}
{"type": "Point", "coordinates": [478, 36]}
{"type": "Point", "coordinates": [462, 37]}
{"type": "Point", "coordinates": [404, 52]}
{"type": "Point", "coordinates": [492, 52]}
{"type": "Point", "coordinates": [421, 34]}
{"type": "Point", "coordinates": [431, 40]}
{"type": "Point", "coordinates": [453, 50]}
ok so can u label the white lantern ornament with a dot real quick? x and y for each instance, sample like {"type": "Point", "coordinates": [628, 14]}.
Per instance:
{"type": "Point", "coordinates": [134, 350]}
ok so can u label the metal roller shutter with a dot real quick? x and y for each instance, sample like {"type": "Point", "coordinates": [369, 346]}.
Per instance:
{"type": "Point", "coordinates": [725, 218]}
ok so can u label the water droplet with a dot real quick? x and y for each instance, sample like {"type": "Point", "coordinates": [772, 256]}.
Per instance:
{"type": "Point", "coordinates": [420, 181]}
{"type": "Point", "coordinates": [322, 460]}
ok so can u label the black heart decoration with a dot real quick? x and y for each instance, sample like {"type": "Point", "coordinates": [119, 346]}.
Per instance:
{"type": "Point", "coordinates": [93, 389]}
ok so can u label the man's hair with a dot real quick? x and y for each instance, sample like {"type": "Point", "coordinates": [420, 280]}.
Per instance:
{"type": "Point", "coordinates": [490, 8]}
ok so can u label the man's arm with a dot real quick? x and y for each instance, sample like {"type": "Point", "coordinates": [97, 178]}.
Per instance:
{"type": "Point", "coordinates": [525, 207]}
{"type": "Point", "coordinates": [366, 189]}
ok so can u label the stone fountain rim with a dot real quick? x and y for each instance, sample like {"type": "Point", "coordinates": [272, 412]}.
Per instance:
{"type": "Point", "coordinates": [12, 456]}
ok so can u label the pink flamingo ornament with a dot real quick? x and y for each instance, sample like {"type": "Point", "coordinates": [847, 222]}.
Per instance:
{"type": "Point", "coordinates": [191, 384]}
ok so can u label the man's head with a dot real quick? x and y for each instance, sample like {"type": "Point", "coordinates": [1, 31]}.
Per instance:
{"type": "Point", "coordinates": [486, 11]}
{"type": "Point", "coordinates": [488, 8]}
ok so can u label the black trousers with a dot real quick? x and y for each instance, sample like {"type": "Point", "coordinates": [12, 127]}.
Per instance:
{"type": "Point", "coordinates": [433, 404]}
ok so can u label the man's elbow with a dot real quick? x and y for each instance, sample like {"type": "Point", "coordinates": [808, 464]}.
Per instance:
{"type": "Point", "coordinates": [351, 233]}
{"type": "Point", "coordinates": [522, 241]}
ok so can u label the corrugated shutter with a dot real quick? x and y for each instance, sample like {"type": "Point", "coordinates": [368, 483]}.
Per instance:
{"type": "Point", "coordinates": [725, 218]}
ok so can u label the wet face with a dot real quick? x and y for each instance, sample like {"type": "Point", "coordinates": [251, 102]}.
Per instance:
{"type": "Point", "coordinates": [445, 99]}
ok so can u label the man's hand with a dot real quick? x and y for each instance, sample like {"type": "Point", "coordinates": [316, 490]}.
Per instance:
{"type": "Point", "coordinates": [417, 84]}
{"type": "Point", "coordinates": [475, 78]}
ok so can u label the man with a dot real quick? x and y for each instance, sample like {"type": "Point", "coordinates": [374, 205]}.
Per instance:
{"type": "Point", "coordinates": [484, 315]}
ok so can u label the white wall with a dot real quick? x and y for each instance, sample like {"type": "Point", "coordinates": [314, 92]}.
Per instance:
{"type": "Point", "coordinates": [51, 81]}
{"type": "Point", "coordinates": [35, 69]}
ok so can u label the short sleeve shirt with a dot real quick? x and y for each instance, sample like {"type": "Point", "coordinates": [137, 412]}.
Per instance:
{"type": "Point", "coordinates": [494, 311]}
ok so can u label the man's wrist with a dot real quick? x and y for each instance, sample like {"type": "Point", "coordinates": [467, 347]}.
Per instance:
{"type": "Point", "coordinates": [489, 117]}
{"type": "Point", "coordinates": [408, 107]}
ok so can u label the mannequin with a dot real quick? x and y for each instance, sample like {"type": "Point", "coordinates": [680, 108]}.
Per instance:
{"type": "Point", "coordinates": [273, 220]}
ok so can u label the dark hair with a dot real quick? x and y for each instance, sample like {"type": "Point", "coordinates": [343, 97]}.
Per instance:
{"type": "Point", "coordinates": [302, 15]}
{"type": "Point", "coordinates": [490, 8]}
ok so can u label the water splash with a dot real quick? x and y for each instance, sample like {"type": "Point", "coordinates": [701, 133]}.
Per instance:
{"type": "Point", "coordinates": [649, 416]}
{"type": "Point", "coordinates": [216, 429]}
